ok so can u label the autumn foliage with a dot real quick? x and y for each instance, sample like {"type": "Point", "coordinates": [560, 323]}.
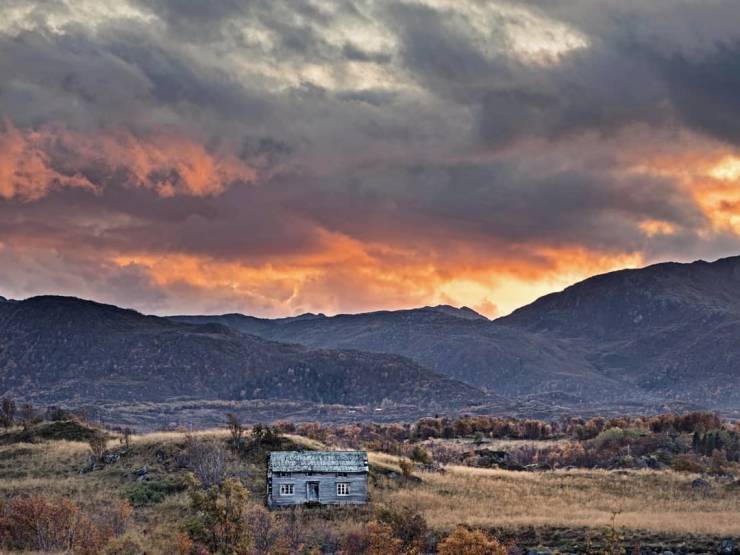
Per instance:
{"type": "Point", "coordinates": [464, 541]}
{"type": "Point", "coordinates": [54, 524]}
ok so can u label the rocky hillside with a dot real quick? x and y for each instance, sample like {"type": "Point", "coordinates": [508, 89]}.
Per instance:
{"type": "Point", "coordinates": [665, 333]}
{"type": "Point", "coordinates": [457, 342]}
{"type": "Point", "coordinates": [58, 349]}
{"type": "Point", "coordinates": [670, 329]}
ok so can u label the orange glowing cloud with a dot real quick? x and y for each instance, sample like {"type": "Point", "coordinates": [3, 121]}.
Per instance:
{"type": "Point", "coordinates": [25, 168]}
{"type": "Point", "coordinates": [708, 171]}
{"type": "Point", "coordinates": [33, 162]}
{"type": "Point", "coordinates": [348, 276]}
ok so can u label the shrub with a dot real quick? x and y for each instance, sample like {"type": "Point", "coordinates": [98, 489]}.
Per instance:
{"type": "Point", "coordinates": [8, 408]}
{"type": "Point", "coordinates": [124, 545]}
{"type": "Point", "coordinates": [207, 461]}
{"type": "Point", "coordinates": [685, 463]}
{"type": "Point", "coordinates": [37, 523]}
{"type": "Point", "coordinates": [220, 519]}
{"type": "Point", "coordinates": [115, 518]}
{"type": "Point", "coordinates": [58, 414]}
{"type": "Point", "coordinates": [464, 541]}
{"type": "Point", "coordinates": [359, 541]}
{"type": "Point", "coordinates": [262, 529]}
{"type": "Point", "coordinates": [718, 462]}
{"type": "Point", "coordinates": [380, 540]}
{"type": "Point", "coordinates": [236, 430]}
{"type": "Point", "coordinates": [266, 435]}
{"type": "Point", "coordinates": [153, 491]}
{"type": "Point", "coordinates": [407, 525]}
{"type": "Point", "coordinates": [179, 544]}
{"type": "Point", "coordinates": [420, 455]}
{"type": "Point", "coordinates": [407, 469]}
{"type": "Point", "coordinates": [97, 445]}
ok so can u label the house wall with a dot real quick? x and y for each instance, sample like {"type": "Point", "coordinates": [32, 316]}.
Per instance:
{"type": "Point", "coordinates": [327, 488]}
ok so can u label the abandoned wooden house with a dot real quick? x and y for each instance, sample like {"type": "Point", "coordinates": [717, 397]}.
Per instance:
{"type": "Point", "coordinates": [324, 477]}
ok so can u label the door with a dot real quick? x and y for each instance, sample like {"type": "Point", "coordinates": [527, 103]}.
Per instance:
{"type": "Point", "coordinates": [313, 491]}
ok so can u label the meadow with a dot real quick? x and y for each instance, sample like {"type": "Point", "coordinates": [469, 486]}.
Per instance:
{"type": "Point", "coordinates": [566, 510]}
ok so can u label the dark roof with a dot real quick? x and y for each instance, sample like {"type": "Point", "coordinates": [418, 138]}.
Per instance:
{"type": "Point", "coordinates": [318, 461]}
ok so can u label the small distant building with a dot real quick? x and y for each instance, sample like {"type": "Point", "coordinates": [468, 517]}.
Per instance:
{"type": "Point", "coordinates": [323, 477]}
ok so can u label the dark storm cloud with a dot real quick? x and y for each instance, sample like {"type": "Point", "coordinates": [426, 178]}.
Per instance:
{"type": "Point", "coordinates": [394, 123]}
{"type": "Point", "coordinates": [499, 203]}
{"type": "Point", "coordinates": [357, 54]}
{"type": "Point", "coordinates": [600, 88]}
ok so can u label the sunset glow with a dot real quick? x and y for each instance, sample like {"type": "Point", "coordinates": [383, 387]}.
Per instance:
{"type": "Point", "coordinates": [272, 160]}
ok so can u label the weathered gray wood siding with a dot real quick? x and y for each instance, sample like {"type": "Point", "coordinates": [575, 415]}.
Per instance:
{"type": "Point", "coordinates": [327, 488]}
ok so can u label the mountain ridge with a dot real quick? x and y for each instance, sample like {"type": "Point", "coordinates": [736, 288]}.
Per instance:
{"type": "Point", "coordinates": [665, 332]}
{"type": "Point", "coordinates": [62, 349]}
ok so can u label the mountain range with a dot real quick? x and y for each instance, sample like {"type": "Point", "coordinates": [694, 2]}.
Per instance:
{"type": "Point", "coordinates": [664, 334]}
{"type": "Point", "coordinates": [67, 350]}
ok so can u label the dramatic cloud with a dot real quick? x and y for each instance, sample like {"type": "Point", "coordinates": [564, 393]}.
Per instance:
{"type": "Point", "coordinates": [275, 157]}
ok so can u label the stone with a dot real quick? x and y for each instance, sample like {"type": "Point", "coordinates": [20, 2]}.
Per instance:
{"type": "Point", "coordinates": [701, 484]}
{"type": "Point", "coordinates": [110, 458]}
{"type": "Point", "coordinates": [727, 547]}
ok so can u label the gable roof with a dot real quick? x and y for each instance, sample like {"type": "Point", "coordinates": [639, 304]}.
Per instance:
{"type": "Point", "coordinates": [318, 461]}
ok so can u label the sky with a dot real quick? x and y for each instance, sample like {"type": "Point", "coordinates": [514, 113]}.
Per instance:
{"type": "Point", "coordinates": [275, 157]}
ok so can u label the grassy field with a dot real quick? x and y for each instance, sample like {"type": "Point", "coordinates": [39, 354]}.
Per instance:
{"type": "Point", "coordinates": [660, 501]}
{"type": "Point", "coordinates": [648, 504]}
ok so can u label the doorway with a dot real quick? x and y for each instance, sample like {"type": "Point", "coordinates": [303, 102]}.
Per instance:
{"type": "Point", "coordinates": [313, 491]}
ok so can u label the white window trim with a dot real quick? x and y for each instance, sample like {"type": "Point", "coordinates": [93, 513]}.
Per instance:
{"type": "Point", "coordinates": [287, 490]}
{"type": "Point", "coordinates": [343, 489]}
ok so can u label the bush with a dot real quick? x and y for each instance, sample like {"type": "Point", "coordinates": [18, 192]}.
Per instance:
{"type": "Point", "coordinates": [685, 463]}
{"type": "Point", "coordinates": [381, 541]}
{"type": "Point", "coordinates": [464, 541]}
{"type": "Point", "coordinates": [37, 523]}
{"type": "Point", "coordinates": [220, 519]}
{"type": "Point", "coordinates": [207, 461]}
{"type": "Point", "coordinates": [262, 529]}
{"type": "Point", "coordinates": [236, 431]}
{"type": "Point", "coordinates": [115, 518]}
{"type": "Point", "coordinates": [407, 469]}
{"type": "Point", "coordinates": [420, 455]}
{"type": "Point", "coordinates": [97, 445]}
{"type": "Point", "coordinates": [407, 525]}
{"type": "Point", "coordinates": [124, 545]}
{"type": "Point", "coordinates": [153, 492]}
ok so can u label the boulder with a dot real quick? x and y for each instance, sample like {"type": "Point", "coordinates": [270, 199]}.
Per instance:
{"type": "Point", "coordinates": [701, 484]}
{"type": "Point", "coordinates": [727, 547]}
{"type": "Point", "coordinates": [110, 458]}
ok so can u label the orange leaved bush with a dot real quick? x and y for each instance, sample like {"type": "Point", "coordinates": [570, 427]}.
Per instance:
{"type": "Point", "coordinates": [464, 541]}
{"type": "Point", "coordinates": [37, 523]}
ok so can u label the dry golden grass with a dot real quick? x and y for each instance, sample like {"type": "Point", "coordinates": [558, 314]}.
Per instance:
{"type": "Point", "coordinates": [657, 501]}
{"type": "Point", "coordinates": [306, 442]}
{"type": "Point", "coordinates": [496, 444]}
{"type": "Point", "coordinates": [177, 436]}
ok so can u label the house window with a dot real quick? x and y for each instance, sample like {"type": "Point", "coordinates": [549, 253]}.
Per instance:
{"type": "Point", "coordinates": [286, 489]}
{"type": "Point", "coordinates": [342, 488]}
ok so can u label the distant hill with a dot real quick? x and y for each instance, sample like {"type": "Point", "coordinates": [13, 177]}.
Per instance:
{"type": "Point", "coordinates": [456, 342]}
{"type": "Point", "coordinates": [664, 333]}
{"type": "Point", "coordinates": [670, 329]}
{"type": "Point", "coordinates": [60, 349]}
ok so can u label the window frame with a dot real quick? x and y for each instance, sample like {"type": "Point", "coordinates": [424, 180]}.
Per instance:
{"type": "Point", "coordinates": [344, 489]}
{"type": "Point", "coordinates": [287, 490]}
